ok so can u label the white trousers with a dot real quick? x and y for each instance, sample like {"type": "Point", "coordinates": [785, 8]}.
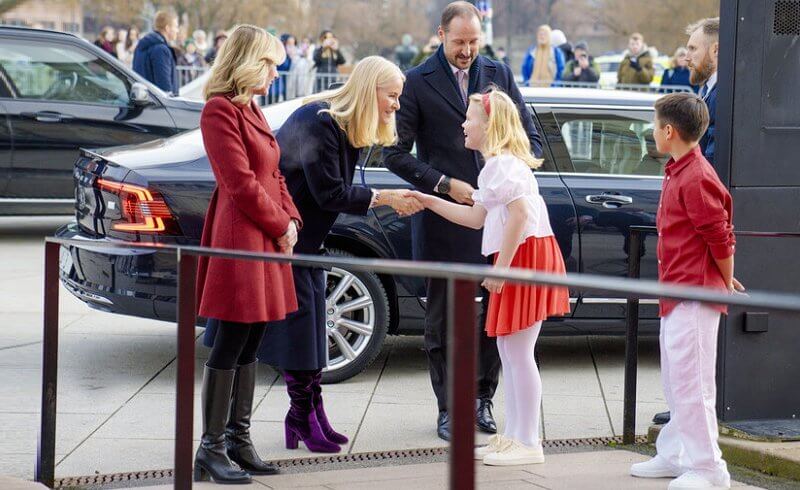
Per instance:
{"type": "Point", "coordinates": [688, 341]}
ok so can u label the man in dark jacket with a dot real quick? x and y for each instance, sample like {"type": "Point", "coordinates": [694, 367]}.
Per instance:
{"type": "Point", "coordinates": [432, 108]}
{"type": "Point", "coordinates": [583, 68]}
{"type": "Point", "coordinates": [703, 48]}
{"type": "Point", "coordinates": [154, 59]}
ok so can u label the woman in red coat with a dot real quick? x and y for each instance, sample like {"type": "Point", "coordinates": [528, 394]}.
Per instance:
{"type": "Point", "coordinates": [251, 210]}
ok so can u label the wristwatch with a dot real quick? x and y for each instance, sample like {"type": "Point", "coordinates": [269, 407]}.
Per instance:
{"type": "Point", "coordinates": [444, 185]}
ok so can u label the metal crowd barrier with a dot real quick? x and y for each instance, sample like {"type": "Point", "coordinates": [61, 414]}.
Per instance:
{"type": "Point", "coordinates": [462, 344]}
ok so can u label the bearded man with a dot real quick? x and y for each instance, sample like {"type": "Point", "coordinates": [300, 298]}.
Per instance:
{"type": "Point", "coordinates": [703, 58]}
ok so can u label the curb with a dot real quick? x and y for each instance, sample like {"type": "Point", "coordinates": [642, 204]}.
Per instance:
{"type": "Point", "coordinates": [764, 457]}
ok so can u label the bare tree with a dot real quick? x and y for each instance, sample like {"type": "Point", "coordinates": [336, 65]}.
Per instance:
{"type": "Point", "coordinates": [8, 5]}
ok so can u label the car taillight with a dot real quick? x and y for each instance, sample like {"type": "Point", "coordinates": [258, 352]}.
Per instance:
{"type": "Point", "coordinates": [142, 210]}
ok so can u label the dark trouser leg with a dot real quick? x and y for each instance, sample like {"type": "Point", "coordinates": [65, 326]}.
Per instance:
{"type": "Point", "coordinates": [436, 338]}
{"type": "Point", "coordinates": [488, 357]}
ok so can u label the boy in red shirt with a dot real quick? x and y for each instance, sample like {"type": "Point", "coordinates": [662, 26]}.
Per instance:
{"type": "Point", "coordinates": [695, 247]}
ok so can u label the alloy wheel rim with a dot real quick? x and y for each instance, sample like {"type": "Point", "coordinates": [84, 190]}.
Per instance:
{"type": "Point", "coordinates": [349, 317]}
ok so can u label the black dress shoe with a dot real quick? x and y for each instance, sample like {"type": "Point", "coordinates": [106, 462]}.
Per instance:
{"type": "Point", "coordinates": [443, 425]}
{"type": "Point", "coordinates": [661, 418]}
{"type": "Point", "coordinates": [484, 417]}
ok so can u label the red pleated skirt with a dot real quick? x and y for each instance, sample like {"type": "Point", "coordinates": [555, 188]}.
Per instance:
{"type": "Point", "coordinates": [519, 306]}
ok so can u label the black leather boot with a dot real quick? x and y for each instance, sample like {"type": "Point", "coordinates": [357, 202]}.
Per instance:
{"type": "Point", "coordinates": [237, 432]}
{"type": "Point", "coordinates": [211, 459]}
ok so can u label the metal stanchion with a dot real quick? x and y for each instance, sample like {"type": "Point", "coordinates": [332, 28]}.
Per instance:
{"type": "Point", "coordinates": [631, 343]}
{"type": "Point", "coordinates": [461, 369]}
{"type": "Point", "coordinates": [184, 377]}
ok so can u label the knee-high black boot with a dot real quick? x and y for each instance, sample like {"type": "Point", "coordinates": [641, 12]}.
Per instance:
{"type": "Point", "coordinates": [237, 432]}
{"type": "Point", "coordinates": [211, 458]}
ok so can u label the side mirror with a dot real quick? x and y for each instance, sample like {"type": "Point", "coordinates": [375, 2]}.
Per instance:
{"type": "Point", "coordinates": [140, 96]}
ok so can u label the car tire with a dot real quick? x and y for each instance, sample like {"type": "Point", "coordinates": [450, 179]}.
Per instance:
{"type": "Point", "coordinates": [347, 330]}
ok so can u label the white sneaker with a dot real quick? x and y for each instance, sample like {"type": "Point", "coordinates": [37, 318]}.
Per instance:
{"type": "Point", "coordinates": [515, 453]}
{"type": "Point", "coordinates": [655, 468]}
{"type": "Point", "coordinates": [692, 480]}
{"type": "Point", "coordinates": [496, 443]}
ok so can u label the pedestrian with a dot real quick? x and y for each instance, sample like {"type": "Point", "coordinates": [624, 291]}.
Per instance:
{"type": "Point", "coordinates": [299, 81]}
{"type": "Point", "coordinates": [427, 50]}
{"type": "Point", "coordinates": [131, 40]}
{"type": "Point", "coordinates": [327, 59]}
{"type": "Point", "coordinates": [277, 91]}
{"type": "Point", "coordinates": [191, 62]}
{"type": "Point", "coordinates": [320, 147]}
{"type": "Point", "coordinates": [696, 246]}
{"type": "Point", "coordinates": [219, 40]}
{"type": "Point", "coordinates": [405, 52]}
{"type": "Point", "coordinates": [502, 56]}
{"type": "Point", "coordinates": [516, 234]}
{"type": "Point", "coordinates": [583, 68]}
{"type": "Point", "coordinates": [678, 74]}
{"type": "Point", "coordinates": [106, 40]}
{"type": "Point", "coordinates": [703, 57]}
{"type": "Point", "coordinates": [250, 209]}
{"type": "Point", "coordinates": [153, 57]}
{"type": "Point", "coordinates": [543, 63]}
{"type": "Point", "coordinates": [200, 40]}
{"type": "Point", "coordinates": [432, 109]}
{"type": "Point", "coordinates": [559, 40]}
{"type": "Point", "coordinates": [636, 67]}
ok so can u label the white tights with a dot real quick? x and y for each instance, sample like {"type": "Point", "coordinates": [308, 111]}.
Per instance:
{"type": "Point", "coordinates": [523, 385]}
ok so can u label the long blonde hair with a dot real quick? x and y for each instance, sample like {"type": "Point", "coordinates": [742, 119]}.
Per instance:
{"type": "Point", "coordinates": [504, 131]}
{"type": "Point", "coordinates": [243, 62]}
{"type": "Point", "coordinates": [354, 106]}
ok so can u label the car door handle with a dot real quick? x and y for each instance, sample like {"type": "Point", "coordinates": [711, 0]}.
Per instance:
{"type": "Point", "coordinates": [609, 200]}
{"type": "Point", "coordinates": [47, 116]}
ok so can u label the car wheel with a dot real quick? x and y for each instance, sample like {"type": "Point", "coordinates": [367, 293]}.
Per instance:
{"type": "Point", "coordinates": [357, 320]}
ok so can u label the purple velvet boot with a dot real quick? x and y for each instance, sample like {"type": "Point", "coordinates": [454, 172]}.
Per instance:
{"type": "Point", "coordinates": [301, 421]}
{"type": "Point", "coordinates": [319, 408]}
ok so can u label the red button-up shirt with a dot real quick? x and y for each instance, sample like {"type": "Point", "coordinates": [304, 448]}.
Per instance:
{"type": "Point", "coordinates": [694, 222]}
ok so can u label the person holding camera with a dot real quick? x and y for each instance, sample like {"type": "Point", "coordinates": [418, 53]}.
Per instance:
{"type": "Point", "coordinates": [583, 68]}
{"type": "Point", "coordinates": [327, 59]}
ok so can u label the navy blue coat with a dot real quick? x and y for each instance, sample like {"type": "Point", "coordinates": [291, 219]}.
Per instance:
{"type": "Point", "coordinates": [431, 113]}
{"type": "Point", "coordinates": [677, 76]}
{"type": "Point", "coordinates": [155, 60]}
{"type": "Point", "coordinates": [707, 141]}
{"type": "Point", "coordinates": [318, 164]}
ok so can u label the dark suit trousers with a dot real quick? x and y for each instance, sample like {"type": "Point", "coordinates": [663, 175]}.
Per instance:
{"type": "Point", "coordinates": [436, 344]}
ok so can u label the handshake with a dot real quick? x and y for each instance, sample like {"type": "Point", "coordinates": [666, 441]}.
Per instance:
{"type": "Point", "coordinates": [404, 202]}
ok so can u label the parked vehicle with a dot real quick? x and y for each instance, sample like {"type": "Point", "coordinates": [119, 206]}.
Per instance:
{"type": "Point", "coordinates": [598, 179]}
{"type": "Point", "coordinates": [60, 93]}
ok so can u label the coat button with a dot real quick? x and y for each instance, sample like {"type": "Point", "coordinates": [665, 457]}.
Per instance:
{"type": "Point", "coordinates": [418, 175]}
{"type": "Point", "coordinates": [276, 173]}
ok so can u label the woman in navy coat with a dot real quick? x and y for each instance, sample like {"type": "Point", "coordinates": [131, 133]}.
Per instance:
{"type": "Point", "coordinates": [320, 147]}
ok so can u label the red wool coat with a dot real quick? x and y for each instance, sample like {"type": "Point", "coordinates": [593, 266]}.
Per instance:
{"type": "Point", "coordinates": [249, 209]}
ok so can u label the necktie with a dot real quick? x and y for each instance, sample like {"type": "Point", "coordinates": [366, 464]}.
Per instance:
{"type": "Point", "coordinates": [462, 85]}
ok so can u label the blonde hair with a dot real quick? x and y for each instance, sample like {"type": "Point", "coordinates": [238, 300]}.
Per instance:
{"type": "Point", "coordinates": [354, 106]}
{"type": "Point", "coordinates": [504, 132]}
{"type": "Point", "coordinates": [243, 62]}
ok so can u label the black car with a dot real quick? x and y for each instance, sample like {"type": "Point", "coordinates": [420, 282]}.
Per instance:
{"type": "Point", "coordinates": [60, 93]}
{"type": "Point", "coordinates": [600, 176]}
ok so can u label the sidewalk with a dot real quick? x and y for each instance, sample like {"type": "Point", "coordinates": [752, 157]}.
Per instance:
{"type": "Point", "coordinates": [596, 470]}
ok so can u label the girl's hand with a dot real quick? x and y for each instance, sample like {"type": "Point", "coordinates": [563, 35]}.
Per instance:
{"type": "Point", "coordinates": [493, 285]}
{"type": "Point", "coordinates": [424, 199]}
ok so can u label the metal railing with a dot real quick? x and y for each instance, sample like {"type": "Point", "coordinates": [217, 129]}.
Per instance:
{"type": "Point", "coordinates": [462, 365]}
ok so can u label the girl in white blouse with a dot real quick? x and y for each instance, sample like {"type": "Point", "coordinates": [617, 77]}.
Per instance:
{"type": "Point", "coordinates": [516, 234]}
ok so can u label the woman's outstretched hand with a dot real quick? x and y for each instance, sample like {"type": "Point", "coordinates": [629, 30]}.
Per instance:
{"type": "Point", "coordinates": [402, 201]}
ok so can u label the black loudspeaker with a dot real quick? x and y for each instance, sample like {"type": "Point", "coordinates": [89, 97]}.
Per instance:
{"type": "Point", "coordinates": [758, 143]}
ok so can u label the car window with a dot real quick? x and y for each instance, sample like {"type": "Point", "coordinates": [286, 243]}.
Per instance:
{"type": "Point", "coordinates": [61, 72]}
{"type": "Point", "coordinates": [611, 144]}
